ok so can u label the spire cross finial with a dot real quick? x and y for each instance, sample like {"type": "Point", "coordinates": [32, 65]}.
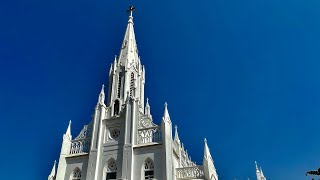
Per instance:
{"type": "Point", "coordinates": [130, 10]}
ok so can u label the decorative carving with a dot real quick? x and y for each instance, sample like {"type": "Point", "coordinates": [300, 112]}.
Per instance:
{"type": "Point", "coordinates": [195, 172]}
{"type": "Point", "coordinates": [112, 166]}
{"type": "Point", "coordinates": [145, 122]}
{"type": "Point", "coordinates": [115, 133]}
{"type": "Point", "coordinates": [86, 132]}
{"type": "Point", "coordinates": [76, 175]}
{"type": "Point", "coordinates": [81, 144]}
{"type": "Point", "coordinates": [149, 135]}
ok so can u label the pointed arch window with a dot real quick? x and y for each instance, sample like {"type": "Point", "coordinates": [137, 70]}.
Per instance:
{"type": "Point", "coordinates": [131, 84]}
{"type": "Point", "coordinates": [116, 107]}
{"type": "Point", "coordinates": [148, 169]}
{"type": "Point", "coordinates": [111, 170]}
{"type": "Point", "coordinates": [76, 174]}
{"type": "Point", "coordinates": [119, 84]}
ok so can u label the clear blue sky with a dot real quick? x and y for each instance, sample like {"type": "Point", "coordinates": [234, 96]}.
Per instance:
{"type": "Point", "coordinates": [242, 73]}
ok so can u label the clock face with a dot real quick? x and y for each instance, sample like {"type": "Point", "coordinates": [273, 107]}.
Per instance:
{"type": "Point", "coordinates": [115, 133]}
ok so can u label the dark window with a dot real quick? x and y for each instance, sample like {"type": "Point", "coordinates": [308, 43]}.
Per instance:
{"type": "Point", "coordinates": [132, 84]}
{"type": "Point", "coordinates": [111, 175]}
{"type": "Point", "coordinates": [149, 174]}
{"type": "Point", "coordinates": [116, 107]}
{"type": "Point", "coordinates": [119, 84]}
{"type": "Point", "coordinates": [148, 169]}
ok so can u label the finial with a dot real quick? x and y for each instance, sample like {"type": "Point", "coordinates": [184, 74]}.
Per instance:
{"type": "Point", "coordinates": [176, 136]}
{"type": "Point", "coordinates": [55, 162]}
{"type": "Point", "coordinates": [147, 100]}
{"type": "Point", "coordinates": [205, 140]}
{"type": "Point", "coordinates": [166, 116]}
{"type": "Point", "coordinates": [130, 10]}
{"type": "Point", "coordinates": [70, 122]}
{"type": "Point", "coordinates": [256, 165]}
{"type": "Point", "coordinates": [102, 86]}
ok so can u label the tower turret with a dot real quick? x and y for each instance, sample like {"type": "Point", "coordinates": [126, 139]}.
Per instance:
{"type": "Point", "coordinates": [127, 74]}
{"type": "Point", "coordinates": [166, 129]}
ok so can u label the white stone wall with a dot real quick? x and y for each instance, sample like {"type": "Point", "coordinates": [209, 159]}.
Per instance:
{"type": "Point", "coordinates": [80, 162]}
{"type": "Point", "coordinates": [141, 154]}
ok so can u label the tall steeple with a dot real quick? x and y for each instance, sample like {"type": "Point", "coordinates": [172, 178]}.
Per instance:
{"type": "Point", "coordinates": [127, 75]}
{"type": "Point", "coordinates": [129, 51]}
{"type": "Point", "coordinates": [208, 165]}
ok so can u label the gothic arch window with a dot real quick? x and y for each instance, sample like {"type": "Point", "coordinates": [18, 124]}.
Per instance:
{"type": "Point", "coordinates": [119, 84]}
{"type": "Point", "coordinates": [131, 84]}
{"type": "Point", "coordinates": [76, 174]}
{"type": "Point", "coordinates": [116, 108]}
{"type": "Point", "coordinates": [111, 170]}
{"type": "Point", "coordinates": [148, 169]}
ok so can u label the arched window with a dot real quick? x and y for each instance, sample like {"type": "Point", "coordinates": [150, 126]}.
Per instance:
{"type": "Point", "coordinates": [148, 169]}
{"type": "Point", "coordinates": [131, 84]}
{"type": "Point", "coordinates": [119, 84]}
{"type": "Point", "coordinates": [116, 107]}
{"type": "Point", "coordinates": [111, 170]}
{"type": "Point", "coordinates": [76, 174]}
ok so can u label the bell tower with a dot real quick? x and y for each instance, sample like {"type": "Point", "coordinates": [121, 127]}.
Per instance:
{"type": "Point", "coordinates": [127, 75]}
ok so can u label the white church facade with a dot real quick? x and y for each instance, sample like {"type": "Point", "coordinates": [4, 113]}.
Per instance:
{"type": "Point", "coordinates": [122, 141]}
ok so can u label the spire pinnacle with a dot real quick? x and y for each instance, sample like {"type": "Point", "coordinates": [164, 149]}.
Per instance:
{"type": "Point", "coordinates": [206, 150]}
{"type": "Point", "coordinates": [68, 132]}
{"type": "Point", "coordinates": [166, 113]}
{"type": "Point", "coordinates": [129, 51]}
{"type": "Point", "coordinates": [256, 165]}
{"type": "Point", "coordinates": [131, 9]}
{"type": "Point", "coordinates": [53, 171]}
{"type": "Point", "coordinates": [176, 135]}
{"type": "Point", "coordinates": [147, 108]}
{"type": "Point", "coordinates": [101, 95]}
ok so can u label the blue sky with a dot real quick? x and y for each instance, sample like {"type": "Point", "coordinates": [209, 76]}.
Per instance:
{"type": "Point", "coordinates": [244, 74]}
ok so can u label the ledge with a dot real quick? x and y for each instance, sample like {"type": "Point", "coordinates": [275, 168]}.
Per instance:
{"type": "Point", "coordinates": [147, 144]}
{"type": "Point", "coordinates": [78, 154]}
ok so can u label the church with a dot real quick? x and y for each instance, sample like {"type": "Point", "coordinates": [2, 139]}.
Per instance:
{"type": "Point", "coordinates": [122, 141]}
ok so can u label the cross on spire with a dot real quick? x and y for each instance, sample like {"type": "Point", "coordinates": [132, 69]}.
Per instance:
{"type": "Point", "coordinates": [130, 10]}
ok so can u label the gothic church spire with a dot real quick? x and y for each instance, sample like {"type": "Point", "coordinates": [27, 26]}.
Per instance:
{"type": "Point", "coordinates": [129, 51]}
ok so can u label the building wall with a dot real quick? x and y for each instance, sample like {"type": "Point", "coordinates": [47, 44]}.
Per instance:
{"type": "Point", "coordinates": [141, 154]}
{"type": "Point", "coordinates": [80, 162]}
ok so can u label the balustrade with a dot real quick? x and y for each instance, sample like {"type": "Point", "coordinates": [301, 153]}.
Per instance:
{"type": "Point", "coordinates": [80, 146]}
{"type": "Point", "coordinates": [195, 172]}
{"type": "Point", "coordinates": [149, 135]}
